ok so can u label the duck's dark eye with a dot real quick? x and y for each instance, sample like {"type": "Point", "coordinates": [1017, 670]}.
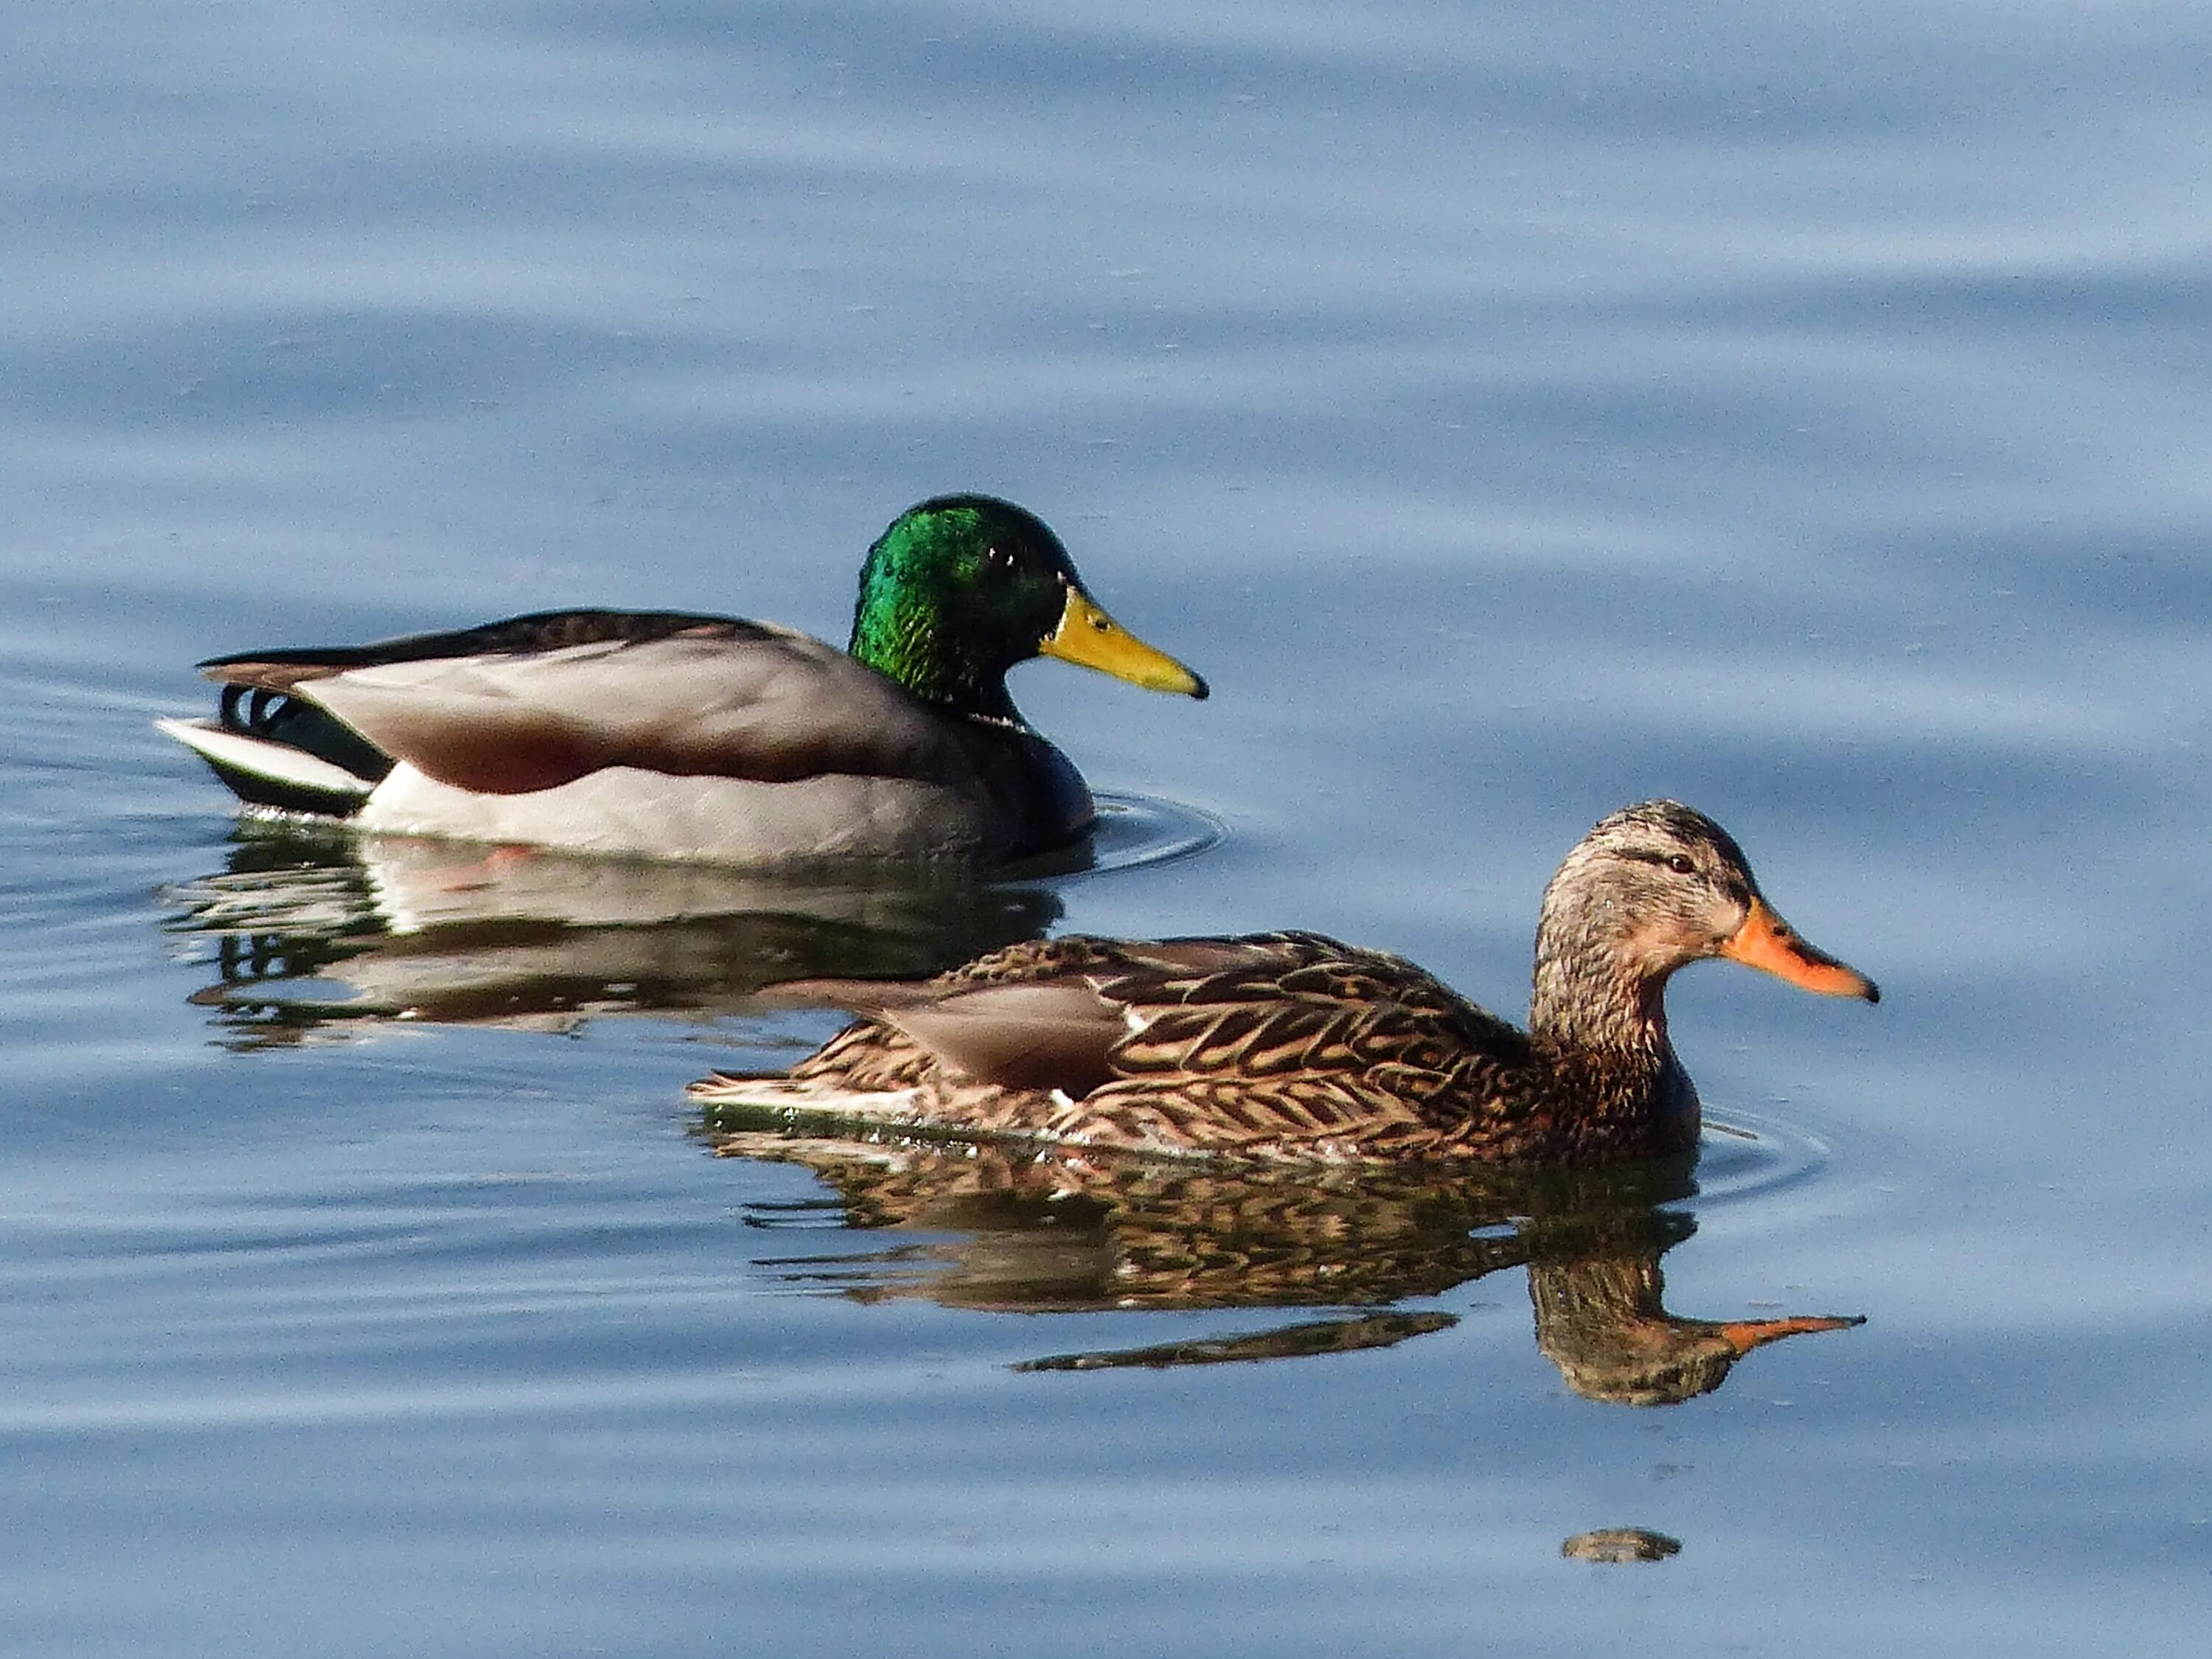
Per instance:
{"type": "Point", "coordinates": [1681, 864]}
{"type": "Point", "coordinates": [997, 558]}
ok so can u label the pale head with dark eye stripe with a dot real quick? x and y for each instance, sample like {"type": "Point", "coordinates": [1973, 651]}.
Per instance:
{"type": "Point", "coordinates": [1648, 889]}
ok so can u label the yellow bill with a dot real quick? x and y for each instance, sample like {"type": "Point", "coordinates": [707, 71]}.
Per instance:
{"type": "Point", "coordinates": [1087, 636]}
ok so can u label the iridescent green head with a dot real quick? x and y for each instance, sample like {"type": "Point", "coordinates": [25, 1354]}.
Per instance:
{"type": "Point", "coordinates": [961, 587]}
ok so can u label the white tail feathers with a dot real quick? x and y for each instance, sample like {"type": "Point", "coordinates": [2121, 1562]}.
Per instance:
{"type": "Point", "coordinates": [234, 753]}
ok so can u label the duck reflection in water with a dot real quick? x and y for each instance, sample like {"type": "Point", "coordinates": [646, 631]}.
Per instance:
{"type": "Point", "coordinates": [1039, 1231]}
{"type": "Point", "coordinates": [310, 926]}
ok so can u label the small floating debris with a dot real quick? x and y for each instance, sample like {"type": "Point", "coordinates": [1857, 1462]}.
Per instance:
{"type": "Point", "coordinates": [1620, 1544]}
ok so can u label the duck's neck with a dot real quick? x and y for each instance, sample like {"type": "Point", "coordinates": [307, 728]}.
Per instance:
{"type": "Point", "coordinates": [1589, 999]}
{"type": "Point", "coordinates": [897, 633]}
{"type": "Point", "coordinates": [1599, 1022]}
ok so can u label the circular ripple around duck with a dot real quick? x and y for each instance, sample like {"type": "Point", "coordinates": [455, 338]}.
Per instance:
{"type": "Point", "coordinates": [1135, 831]}
{"type": "Point", "coordinates": [1745, 1158]}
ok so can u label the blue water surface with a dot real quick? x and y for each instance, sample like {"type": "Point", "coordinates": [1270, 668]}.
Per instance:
{"type": "Point", "coordinates": [1514, 413]}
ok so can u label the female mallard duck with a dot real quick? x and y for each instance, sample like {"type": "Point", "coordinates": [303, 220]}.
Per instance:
{"type": "Point", "coordinates": [1289, 1046]}
{"type": "Point", "coordinates": [706, 738]}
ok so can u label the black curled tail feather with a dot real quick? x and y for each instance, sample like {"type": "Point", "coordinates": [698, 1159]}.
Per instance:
{"type": "Point", "coordinates": [296, 723]}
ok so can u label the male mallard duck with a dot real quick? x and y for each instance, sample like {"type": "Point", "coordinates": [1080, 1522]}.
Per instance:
{"type": "Point", "coordinates": [701, 736]}
{"type": "Point", "coordinates": [1290, 1045]}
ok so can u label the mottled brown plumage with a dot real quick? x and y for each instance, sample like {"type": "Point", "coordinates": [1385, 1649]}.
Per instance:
{"type": "Point", "coordinates": [1291, 1046]}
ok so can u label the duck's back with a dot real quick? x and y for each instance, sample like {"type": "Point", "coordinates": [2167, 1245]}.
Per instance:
{"type": "Point", "coordinates": [662, 733]}
{"type": "Point", "coordinates": [1280, 1045]}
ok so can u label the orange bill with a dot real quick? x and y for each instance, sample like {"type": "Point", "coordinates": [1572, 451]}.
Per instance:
{"type": "Point", "coordinates": [1086, 634]}
{"type": "Point", "coordinates": [1768, 943]}
{"type": "Point", "coordinates": [1744, 1335]}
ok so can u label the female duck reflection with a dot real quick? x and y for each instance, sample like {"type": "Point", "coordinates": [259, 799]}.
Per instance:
{"type": "Point", "coordinates": [1259, 1055]}
{"type": "Point", "coordinates": [1034, 1232]}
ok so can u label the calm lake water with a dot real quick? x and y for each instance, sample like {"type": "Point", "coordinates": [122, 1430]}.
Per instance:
{"type": "Point", "coordinates": [1514, 413]}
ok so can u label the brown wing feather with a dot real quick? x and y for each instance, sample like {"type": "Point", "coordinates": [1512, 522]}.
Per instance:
{"type": "Point", "coordinates": [1047, 1035]}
